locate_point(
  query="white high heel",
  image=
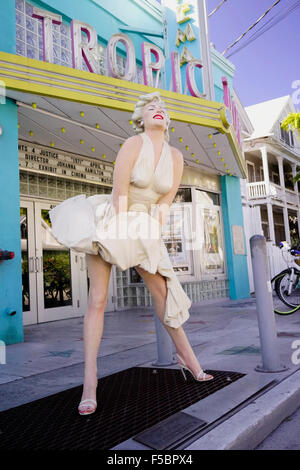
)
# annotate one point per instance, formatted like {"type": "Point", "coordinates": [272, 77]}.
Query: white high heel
{"type": "Point", "coordinates": [81, 404]}
{"type": "Point", "coordinates": [201, 373]}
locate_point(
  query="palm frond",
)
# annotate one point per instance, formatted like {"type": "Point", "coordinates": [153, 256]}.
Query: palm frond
{"type": "Point", "coordinates": [296, 178]}
{"type": "Point", "coordinates": [292, 122]}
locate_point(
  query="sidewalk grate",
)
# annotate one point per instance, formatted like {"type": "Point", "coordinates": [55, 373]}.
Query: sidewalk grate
{"type": "Point", "coordinates": [129, 402]}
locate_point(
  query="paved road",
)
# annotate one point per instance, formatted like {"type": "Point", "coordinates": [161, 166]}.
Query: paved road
{"type": "Point", "coordinates": [285, 437]}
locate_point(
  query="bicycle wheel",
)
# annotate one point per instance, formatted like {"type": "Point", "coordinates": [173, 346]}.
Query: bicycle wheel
{"type": "Point", "coordinates": [281, 308]}
{"type": "Point", "coordinates": [292, 300]}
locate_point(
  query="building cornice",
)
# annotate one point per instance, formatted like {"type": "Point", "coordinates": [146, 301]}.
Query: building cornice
{"type": "Point", "coordinates": [222, 62]}
{"type": "Point", "coordinates": [273, 146]}
{"type": "Point", "coordinates": [152, 7]}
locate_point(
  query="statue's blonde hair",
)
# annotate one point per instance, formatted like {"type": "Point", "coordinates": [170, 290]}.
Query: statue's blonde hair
{"type": "Point", "coordinates": [138, 112]}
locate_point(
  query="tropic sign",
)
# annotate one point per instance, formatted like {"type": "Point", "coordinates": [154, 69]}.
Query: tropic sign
{"type": "Point", "coordinates": [183, 32]}
{"type": "Point", "coordinates": [152, 56]}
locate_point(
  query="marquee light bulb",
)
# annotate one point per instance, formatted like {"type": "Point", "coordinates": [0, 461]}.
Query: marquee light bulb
{"type": "Point", "coordinates": [81, 141]}
{"type": "Point", "coordinates": [82, 114]}
{"type": "Point", "coordinates": [31, 133]}
{"type": "Point", "coordinates": [97, 126]}
{"type": "Point", "coordinates": [34, 105]}
{"type": "Point", "coordinates": [172, 129]}
{"type": "Point", "coordinates": [130, 122]}
{"type": "Point", "coordinates": [51, 144]}
{"type": "Point", "coordinates": [63, 130]}
{"type": "Point", "coordinates": [93, 149]}
{"type": "Point", "coordinates": [103, 156]}
{"type": "Point", "coordinates": [180, 139]}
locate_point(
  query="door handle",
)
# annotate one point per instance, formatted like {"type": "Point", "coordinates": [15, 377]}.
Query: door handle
{"type": "Point", "coordinates": [31, 264]}
{"type": "Point", "coordinates": [38, 264]}
{"type": "Point", "coordinates": [83, 263]}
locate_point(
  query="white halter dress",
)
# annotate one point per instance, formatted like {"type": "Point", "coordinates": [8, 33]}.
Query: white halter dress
{"type": "Point", "coordinates": [90, 225]}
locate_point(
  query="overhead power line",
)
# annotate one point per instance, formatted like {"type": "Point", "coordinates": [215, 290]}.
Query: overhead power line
{"type": "Point", "coordinates": [268, 25]}
{"type": "Point", "coordinates": [217, 8]}
{"type": "Point", "coordinates": [251, 27]}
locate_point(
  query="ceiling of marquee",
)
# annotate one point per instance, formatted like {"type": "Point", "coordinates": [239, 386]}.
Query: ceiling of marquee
{"type": "Point", "coordinates": [51, 115]}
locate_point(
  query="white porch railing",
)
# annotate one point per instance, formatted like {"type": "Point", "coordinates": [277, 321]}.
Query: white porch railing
{"type": "Point", "coordinates": [276, 191]}
{"type": "Point", "coordinates": [291, 197]}
{"type": "Point", "coordinates": [258, 190]}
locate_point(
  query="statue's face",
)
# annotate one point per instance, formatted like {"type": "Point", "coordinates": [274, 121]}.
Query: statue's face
{"type": "Point", "coordinates": [155, 116]}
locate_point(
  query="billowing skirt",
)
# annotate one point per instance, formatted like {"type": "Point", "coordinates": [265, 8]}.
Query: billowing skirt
{"type": "Point", "coordinates": [127, 239]}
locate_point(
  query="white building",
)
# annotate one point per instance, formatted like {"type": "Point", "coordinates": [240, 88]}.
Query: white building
{"type": "Point", "coordinates": [270, 198]}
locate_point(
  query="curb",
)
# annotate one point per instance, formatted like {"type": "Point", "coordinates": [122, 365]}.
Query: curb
{"type": "Point", "coordinates": [249, 427]}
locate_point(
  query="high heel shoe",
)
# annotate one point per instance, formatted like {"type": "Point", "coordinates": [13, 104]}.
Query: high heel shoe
{"type": "Point", "coordinates": [81, 404]}
{"type": "Point", "coordinates": [205, 377]}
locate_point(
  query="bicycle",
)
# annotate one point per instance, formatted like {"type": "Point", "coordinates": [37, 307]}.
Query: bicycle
{"type": "Point", "coordinates": [287, 282]}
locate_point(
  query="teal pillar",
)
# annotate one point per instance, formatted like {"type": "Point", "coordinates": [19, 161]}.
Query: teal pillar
{"type": "Point", "coordinates": [7, 26]}
{"type": "Point", "coordinates": [11, 324]}
{"type": "Point", "coordinates": [11, 315]}
{"type": "Point", "coordinates": [233, 215]}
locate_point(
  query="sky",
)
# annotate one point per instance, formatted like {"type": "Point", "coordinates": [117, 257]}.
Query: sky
{"type": "Point", "coordinates": [266, 68]}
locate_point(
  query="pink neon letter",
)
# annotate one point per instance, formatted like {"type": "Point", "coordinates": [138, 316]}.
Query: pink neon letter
{"type": "Point", "coordinates": [228, 102]}
{"type": "Point", "coordinates": [176, 73]}
{"type": "Point", "coordinates": [190, 77]}
{"type": "Point", "coordinates": [47, 20]}
{"type": "Point", "coordinates": [130, 69]}
{"type": "Point", "coordinates": [148, 65]}
{"type": "Point", "coordinates": [83, 50]}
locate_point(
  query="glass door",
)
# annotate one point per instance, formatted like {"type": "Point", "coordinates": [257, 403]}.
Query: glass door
{"type": "Point", "coordinates": [29, 288]}
{"type": "Point", "coordinates": [58, 272]}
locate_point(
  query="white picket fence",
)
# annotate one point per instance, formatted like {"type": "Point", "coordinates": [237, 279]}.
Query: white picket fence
{"type": "Point", "coordinates": [252, 226]}
{"type": "Point", "coordinates": [276, 261]}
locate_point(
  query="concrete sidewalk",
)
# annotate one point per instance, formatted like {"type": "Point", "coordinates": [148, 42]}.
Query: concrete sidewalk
{"type": "Point", "coordinates": [224, 335]}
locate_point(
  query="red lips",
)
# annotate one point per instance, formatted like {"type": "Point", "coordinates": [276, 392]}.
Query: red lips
{"type": "Point", "coordinates": [158, 116]}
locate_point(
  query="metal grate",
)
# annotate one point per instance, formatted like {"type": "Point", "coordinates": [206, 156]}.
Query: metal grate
{"type": "Point", "coordinates": [129, 402]}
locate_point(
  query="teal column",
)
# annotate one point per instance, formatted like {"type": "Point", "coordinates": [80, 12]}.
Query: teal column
{"type": "Point", "coordinates": [11, 315]}
{"type": "Point", "coordinates": [7, 26]}
{"type": "Point", "coordinates": [11, 324]}
{"type": "Point", "coordinates": [233, 215]}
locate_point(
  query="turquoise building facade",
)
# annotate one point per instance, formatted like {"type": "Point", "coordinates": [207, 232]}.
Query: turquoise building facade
{"type": "Point", "coordinates": [141, 21]}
